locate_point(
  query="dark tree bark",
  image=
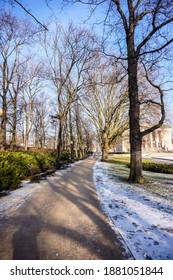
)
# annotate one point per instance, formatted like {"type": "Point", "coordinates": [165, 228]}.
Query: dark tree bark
{"type": "Point", "coordinates": [72, 140]}
{"type": "Point", "coordinates": [59, 141]}
{"type": "Point", "coordinates": [14, 125]}
{"type": "Point", "coordinates": [14, 99]}
{"type": "Point", "coordinates": [79, 132]}
{"type": "Point", "coordinates": [134, 108]}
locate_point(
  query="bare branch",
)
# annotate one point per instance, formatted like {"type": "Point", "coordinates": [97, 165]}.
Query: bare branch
{"type": "Point", "coordinates": [117, 3]}
{"type": "Point", "coordinates": [28, 12]}
{"type": "Point", "coordinates": [157, 50]}
{"type": "Point", "coordinates": [161, 104]}
{"type": "Point", "coordinates": [149, 36]}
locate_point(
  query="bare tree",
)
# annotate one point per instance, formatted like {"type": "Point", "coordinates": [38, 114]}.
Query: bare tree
{"type": "Point", "coordinates": [41, 120]}
{"type": "Point", "coordinates": [14, 35]}
{"type": "Point", "coordinates": [15, 108]}
{"type": "Point", "coordinates": [106, 104]}
{"type": "Point", "coordinates": [67, 55]}
{"type": "Point", "coordinates": [142, 29]}
{"type": "Point", "coordinates": [30, 90]}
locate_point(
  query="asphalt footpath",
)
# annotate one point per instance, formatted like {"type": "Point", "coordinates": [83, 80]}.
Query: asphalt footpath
{"type": "Point", "coordinates": [63, 219]}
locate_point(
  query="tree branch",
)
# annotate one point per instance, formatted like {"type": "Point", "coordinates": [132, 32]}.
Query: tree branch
{"type": "Point", "coordinates": [159, 49]}
{"type": "Point", "coordinates": [117, 3]}
{"type": "Point", "coordinates": [161, 104]}
{"type": "Point", "coordinates": [17, 2]}
{"type": "Point", "coordinates": [148, 37]}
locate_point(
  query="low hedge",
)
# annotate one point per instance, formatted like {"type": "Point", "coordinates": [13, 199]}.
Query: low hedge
{"type": "Point", "coordinates": [146, 165]}
{"type": "Point", "coordinates": [158, 167]}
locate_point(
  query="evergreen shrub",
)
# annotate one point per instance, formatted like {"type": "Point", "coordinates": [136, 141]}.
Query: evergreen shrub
{"type": "Point", "coordinates": [158, 167]}
{"type": "Point", "coordinates": [65, 155]}
{"type": "Point", "coordinates": [16, 166]}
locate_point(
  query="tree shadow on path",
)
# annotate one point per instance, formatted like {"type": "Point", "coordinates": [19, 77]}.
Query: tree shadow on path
{"type": "Point", "coordinates": [64, 220]}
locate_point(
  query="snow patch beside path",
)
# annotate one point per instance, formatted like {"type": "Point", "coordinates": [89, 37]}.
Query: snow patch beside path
{"type": "Point", "coordinates": [17, 197]}
{"type": "Point", "coordinates": [143, 219]}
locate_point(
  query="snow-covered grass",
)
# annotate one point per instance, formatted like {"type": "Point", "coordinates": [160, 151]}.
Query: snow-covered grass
{"type": "Point", "coordinates": [141, 214]}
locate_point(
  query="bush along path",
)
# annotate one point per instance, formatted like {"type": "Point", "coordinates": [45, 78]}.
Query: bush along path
{"type": "Point", "coordinates": [17, 166]}
{"type": "Point", "coordinates": [61, 219]}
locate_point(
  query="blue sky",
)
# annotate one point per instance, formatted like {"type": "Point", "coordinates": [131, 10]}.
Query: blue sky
{"type": "Point", "coordinates": [77, 13]}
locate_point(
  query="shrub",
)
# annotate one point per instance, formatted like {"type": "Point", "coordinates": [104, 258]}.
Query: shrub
{"type": "Point", "coordinates": [146, 165]}
{"type": "Point", "coordinates": [158, 167]}
{"type": "Point", "coordinates": [11, 172]}
{"type": "Point", "coordinates": [65, 155]}
{"type": "Point", "coordinates": [15, 166]}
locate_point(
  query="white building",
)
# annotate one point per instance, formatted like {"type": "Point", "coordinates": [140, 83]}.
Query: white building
{"type": "Point", "coordinates": [158, 140]}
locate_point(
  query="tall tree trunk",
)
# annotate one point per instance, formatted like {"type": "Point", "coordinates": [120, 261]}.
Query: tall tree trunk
{"type": "Point", "coordinates": [44, 138]}
{"type": "Point", "coordinates": [76, 153]}
{"type": "Point", "coordinates": [79, 132]}
{"type": "Point", "coordinates": [134, 113]}
{"type": "Point", "coordinates": [26, 131]}
{"type": "Point", "coordinates": [105, 147]}
{"type": "Point", "coordinates": [41, 132]}
{"type": "Point", "coordinates": [59, 142]}
{"type": "Point", "coordinates": [13, 139]}
{"type": "Point", "coordinates": [4, 105]}
{"type": "Point", "coordinates": [3, 126]}
{"type": "Point", "coordinates": [26, 142]}
{"type": "Point", "coordinates": [72, 144]}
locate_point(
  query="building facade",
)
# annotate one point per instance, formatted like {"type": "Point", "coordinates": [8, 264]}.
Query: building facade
{"type": "Point", "coordinates": [158, 140]}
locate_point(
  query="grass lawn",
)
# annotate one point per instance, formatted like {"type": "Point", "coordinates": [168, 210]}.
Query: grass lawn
{"type": "Point", "coordinates": [158, 176]}
{"type": "Point", "coordinates": [148, 165]}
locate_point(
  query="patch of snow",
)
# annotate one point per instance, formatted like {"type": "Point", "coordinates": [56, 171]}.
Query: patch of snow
{"type": "Point", "coordinates": [17, 197]}
{"type": "Point", "coordinates": [143, 219]}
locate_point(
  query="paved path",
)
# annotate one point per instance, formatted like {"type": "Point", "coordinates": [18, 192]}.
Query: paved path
{"type": "Point", "coordinates": [61, 220]}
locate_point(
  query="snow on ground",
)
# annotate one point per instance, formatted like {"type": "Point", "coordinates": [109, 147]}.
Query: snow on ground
{"type": "Point", "coordinates": [17, 197]}
{"type": "Point", "coordinates": [142, 215]}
